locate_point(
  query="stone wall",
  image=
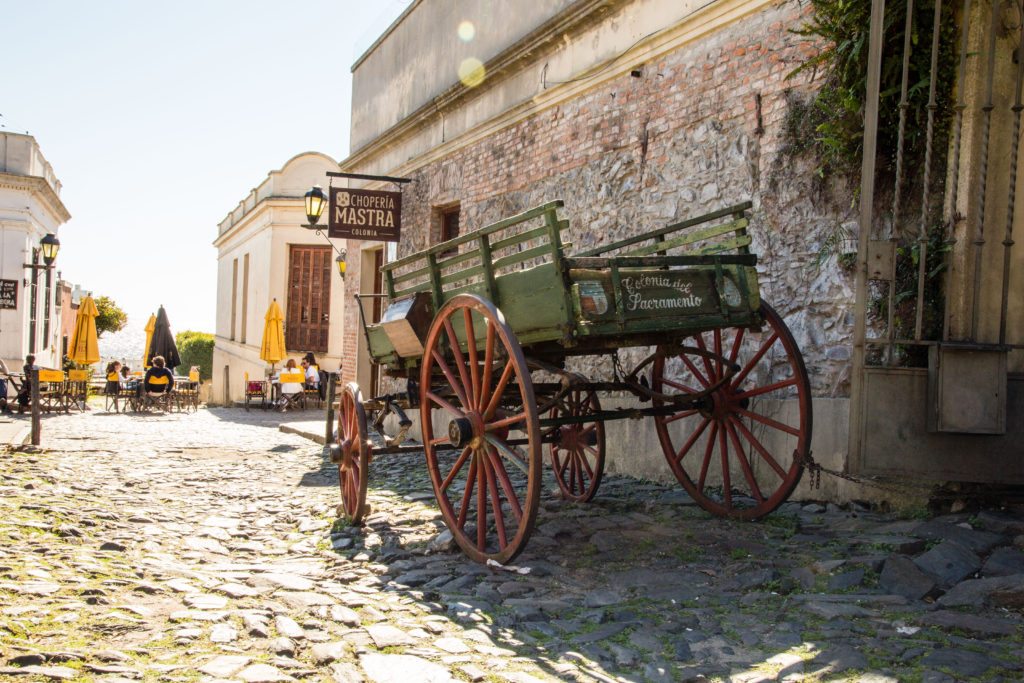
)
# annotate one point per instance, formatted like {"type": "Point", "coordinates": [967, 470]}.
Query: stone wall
{"type": "Point", "coordinates": [699, 129]}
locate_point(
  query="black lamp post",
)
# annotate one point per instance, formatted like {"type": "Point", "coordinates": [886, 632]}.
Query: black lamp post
{"type": "Point", "coordinates": [316, 200]}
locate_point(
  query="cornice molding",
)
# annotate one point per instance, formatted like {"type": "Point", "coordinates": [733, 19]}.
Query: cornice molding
{"type": "Point", "coordinates": [39, 187]}
{"type": "Point", "coordinates": [267, 203]}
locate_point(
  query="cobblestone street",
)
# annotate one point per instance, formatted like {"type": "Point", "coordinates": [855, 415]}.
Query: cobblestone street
{"type": "Point", "coordinates": [206, 547]}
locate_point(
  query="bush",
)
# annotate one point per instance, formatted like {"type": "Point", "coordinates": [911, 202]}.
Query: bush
{"type": "Point", "coordinates": [195, 348]}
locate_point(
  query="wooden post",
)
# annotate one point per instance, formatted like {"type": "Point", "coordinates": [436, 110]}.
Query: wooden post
{"type": "Point", "coordinates": [332, 383]}
{"type": "Point", "coordinates": [34, 394]}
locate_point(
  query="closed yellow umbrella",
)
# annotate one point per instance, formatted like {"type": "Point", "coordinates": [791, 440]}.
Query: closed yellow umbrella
{"type": "Point", "coordinates": [272, 348]}
{"type": "Point", "coordinates": [150, 326]}
{"type": "Point", "coordinates": [85, 349]}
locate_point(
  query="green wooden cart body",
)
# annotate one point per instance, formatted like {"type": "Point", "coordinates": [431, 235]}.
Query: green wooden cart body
{"type": "Point", "coordinates": [661, 286]}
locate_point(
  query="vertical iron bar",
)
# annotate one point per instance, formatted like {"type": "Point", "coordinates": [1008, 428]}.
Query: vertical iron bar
{"type": "Point", "coordinates": [1008, 239]}
{"type": "Point", "coordinates": [986, 131]}
{"type": "Point", "coordinates": [867, 199]}
{"type": "Point", "coordinates": [961, 105]}
{"type": "Point", "coordinates": [898, 190]}
{"type": "Point", "coordinates": [922, 252]}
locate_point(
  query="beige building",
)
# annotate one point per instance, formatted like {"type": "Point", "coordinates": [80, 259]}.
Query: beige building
{"type": "Point", "coordinates": [30, 209]}
{"type": "Point", "coordinates": [264, 254]}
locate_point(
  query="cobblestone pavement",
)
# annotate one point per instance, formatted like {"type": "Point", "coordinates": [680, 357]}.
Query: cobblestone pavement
{"type": "Point", "coordinates": [205, 547]}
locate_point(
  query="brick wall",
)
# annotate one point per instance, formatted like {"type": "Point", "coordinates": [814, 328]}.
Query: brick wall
{"type": "Point", "coordinates": [700, 129]}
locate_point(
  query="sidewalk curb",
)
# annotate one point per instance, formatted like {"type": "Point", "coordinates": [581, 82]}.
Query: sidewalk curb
{"type": "Point", "coordinates": [316, 437]}
{"type": "Point", "coordinates": [14, 434]}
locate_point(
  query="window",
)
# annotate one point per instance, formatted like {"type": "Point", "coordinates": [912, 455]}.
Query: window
{"type": "Point", "coordinates": [309, 298]}
{"type": "Point", "coordinates": [448, 219]}
{"type": "Point", "coordinates": [234, 296]}
{"type": "Point", "coordinates": [245, 296]}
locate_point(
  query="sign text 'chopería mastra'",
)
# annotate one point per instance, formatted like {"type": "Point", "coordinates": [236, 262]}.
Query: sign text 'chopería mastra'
{"type": "Point", "coordinates": [365, 214]}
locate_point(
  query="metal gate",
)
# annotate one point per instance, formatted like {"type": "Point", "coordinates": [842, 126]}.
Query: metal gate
{"type": "Point", "coordinates": [938, 381]}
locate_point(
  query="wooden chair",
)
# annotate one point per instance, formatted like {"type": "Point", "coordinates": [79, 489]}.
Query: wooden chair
{"type": "Point", "coordinates": [113, 395]}
{"type": "Point", "coordinates": [76, 390]}
{"type": "Point", "coordinates": [312, 392]}
{"type": "Point", "coordinates": [162, 399]}
{"type": "Point", "coordinates": [52, 395]}
{"type": "Point", "coordinates": [297, 399]}
{"type": "Point", "coordinates": [255, 389]}
{"type": "Point", "coordinates": [186, 392]}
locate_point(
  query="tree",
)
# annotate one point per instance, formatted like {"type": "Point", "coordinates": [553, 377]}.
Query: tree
{"type": "Point", "coordinates": [196, 348]}
{"type": "Point", "coordinates": [111, 318]}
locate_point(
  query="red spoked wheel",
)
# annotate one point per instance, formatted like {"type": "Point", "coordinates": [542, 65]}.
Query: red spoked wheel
{"type": "Point", "coordinates": [353, 439]}
{"type": "Point", "coordinates": [740, 453]}
{"type": "Point", "coordinates": [577, 450]}
{"type": "Point", "coordinates": [486, 470]}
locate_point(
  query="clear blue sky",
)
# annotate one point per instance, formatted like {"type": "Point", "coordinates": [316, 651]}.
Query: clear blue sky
{"type": "Point", "coordinates": [158, 118]}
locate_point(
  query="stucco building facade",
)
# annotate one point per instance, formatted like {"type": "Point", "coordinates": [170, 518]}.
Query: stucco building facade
{"type": "Point", "coordinates": [30, 208]}
{"type": "Point", "coordinates": [264, 254]}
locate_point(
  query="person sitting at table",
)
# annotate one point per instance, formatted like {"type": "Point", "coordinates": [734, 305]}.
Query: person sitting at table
{"type": "Point", "coordinates": [25, 395]}
{"type": "Point", "coordinates": [287, 388]}
{"type": "Point", "coordinates": [4, 372]}
{"type": "Point", "coordinates": [311, 370]}
{"type": "Point", "coordinates": [155, 372]}
{"type": "Point", "coordinates": [113, 377]}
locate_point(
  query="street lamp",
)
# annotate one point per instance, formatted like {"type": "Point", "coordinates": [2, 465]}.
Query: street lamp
{"type": "Point", "coordinates": [49, 245]}
{"type": "Point", "coordinates": [342, 266]}
{"type": "Point", "coordinates": [315, 200]}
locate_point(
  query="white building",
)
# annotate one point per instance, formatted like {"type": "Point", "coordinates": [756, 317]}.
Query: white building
{"type": "Point", "coordinates": [263, 254]}
{"type": "Point", "coordinates": [30, 208]}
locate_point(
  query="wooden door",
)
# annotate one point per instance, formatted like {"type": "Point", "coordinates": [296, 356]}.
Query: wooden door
{"type": "Point", "coordinates": [309, 298]}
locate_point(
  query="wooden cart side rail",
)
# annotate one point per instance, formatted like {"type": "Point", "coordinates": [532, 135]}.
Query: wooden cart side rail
{"type": "Point", "coordinates": [452, 244]}
{"type": "Point", "coordinates": [659, 234]}
{"type": "Point", "coordinates": [483, 264]}
{"type": "Point", "coordinates": [661, 246]}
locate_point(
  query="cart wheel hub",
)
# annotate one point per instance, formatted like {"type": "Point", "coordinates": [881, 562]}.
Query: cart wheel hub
{"type": "Point", "coordinates": [460, 432]}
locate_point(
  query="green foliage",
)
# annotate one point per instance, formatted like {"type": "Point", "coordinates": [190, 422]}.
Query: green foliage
{"type": "Point", "coordinates": [111, 318]}
{"type": "Point", "coordinates": [195, 348]}
{"type": "Point", "coordinates": [831, 124]}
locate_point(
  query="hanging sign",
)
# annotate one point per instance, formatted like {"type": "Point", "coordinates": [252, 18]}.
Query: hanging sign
{"type": "Point", "coordinates": [8, 293]}
{"type": "Point", "coordinates": [365, 214]}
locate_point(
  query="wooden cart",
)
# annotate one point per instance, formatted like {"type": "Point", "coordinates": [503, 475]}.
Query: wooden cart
{"type": "Point", "coordinates": [478, 331]}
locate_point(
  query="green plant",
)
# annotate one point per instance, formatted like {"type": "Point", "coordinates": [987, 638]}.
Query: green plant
{"type": "Point", "coordinates": [110, 318]}
{"type": "Point", "coordinates": [196, 348]}
{"type": "Point", "coordinates": [831, 123]}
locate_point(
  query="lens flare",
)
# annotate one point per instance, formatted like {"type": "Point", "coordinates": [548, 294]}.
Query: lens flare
{"type": "Point", "coordinates": [467, 31]}
{"type": "Point", "coordinates": [472, 72]}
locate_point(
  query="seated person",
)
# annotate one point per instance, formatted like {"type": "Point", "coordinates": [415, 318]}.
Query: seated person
{"type": "Point", "coordinates": [113, 386]}
{"type": "Point", "coordinates": [25, 395]}
{"type": "Point", "coordinates": [312, 372]}
{"type": "Point", "coordinates": [288, 388]}
{"type": "Point", "coordinates": [156, 372]}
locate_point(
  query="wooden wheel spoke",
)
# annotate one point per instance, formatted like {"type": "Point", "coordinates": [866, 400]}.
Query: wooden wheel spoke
{"type": "Point", "coordinates": [506, 422]}
{"type": "Point", "coordinates": [744, 464]}
{"type": "Point", "coordinates": [736, 343]}
{"type": "Point", "coordinates": [506, 484]}
{"type": "Point", "coordinates": [485, 380]}
{"type": "Point", "coordinates": [680, 416]}
{"type": "Point", "coordinates": [692, 440]}
{"type": "Point", "coordinates": [481, 507]}
{"type": "Point", "coordinates": [696, 373]}
{"type": "Point", "coordinates": [509, 453]}
{"type": "Point", "coordinates": [445, 404]}
{"type": "Point", "coordinates": [718, 352]}
{"type": "Point", "coordinates": [707, 361]}
{"type": "Point", "coordinates": [437, 440]}
{"type": "Point", "coordinates": [467, 495]}
{"type": "Point", "coordinates": [474, 368]}
{"type": "Point", "coordinates": [759, 447]}
{"type": "Point", "coordinates": [765, 345]}
{"type": "Point", "coordinates": [585, 464]}
{"type": "Point", "coordinates": [708, 450]}
{"type": "Point", "coordinates": [492, 405]}
{"type": "Point", "coordinates": [765, 420]}
{"type": "Point", "coordinates": [456, 468]}
{"type": "Point", "coordinates": [459, 390]}
{"type": "Point", "coordinates": [499, 516]}
{"type": "Point", "coordinates": [767, 388]}
{"type": "Point", "coordinates": [723, 447]}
